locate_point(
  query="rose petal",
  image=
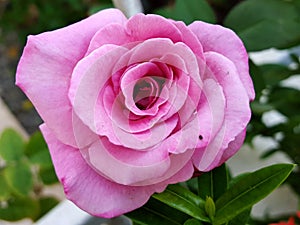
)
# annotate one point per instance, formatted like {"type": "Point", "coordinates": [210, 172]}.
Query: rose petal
{"type": "Point", "coordinates": [211, 115]}
{"type": "Point", "coordinates": [109, 125]}
{"type": "Point", "coordinates": [176, 100]}
{"type": "Point", "coordinates": [78, 75]}
{"type": "Point", "coordinates": [233, 147]}
{"type": "Point", "coordinates": [237, 111]}
{"type": "Point", "coordinates": [99, 157]}
{"type": "Point", "coordinates": [112, 98]}
{"type": "Point", "coordinates": [169, 102]}
{"type": "Point", "coordinates": [211, 112]}
{"type": "Point", "coordinates": [83, 135]}
{"type": "Point", "coordinates": [181, 169]}
{"type": "Point", "coordinates": [128, 83]}
{"type": "Point", "coordinates": [46, 66]}
{"type": "Point", "coordinates": [113, 33]}
{"type": "Point", "coordinates": [208, 157]}
{"type": "Point", "coordinates": [105, 198]}
{"type": "Point", "coordinates": [148, 138]}
{"type": "Point", "coordinates": [90, 76]}
{"type": "Point", "coordinates": [185, 139]}
{"type": "Point", "coordinates": [159, 47]}
{"type": "Point", "coordinates": [224, 41]}
{"type": "Point", "coordinates": [144, 52]}
{"type": "Point", "coordinates": [143, 27]}
{"type": "Point", "coordinates": [191, 40]}
{"type": "Point", "coordinates": [121, 117]}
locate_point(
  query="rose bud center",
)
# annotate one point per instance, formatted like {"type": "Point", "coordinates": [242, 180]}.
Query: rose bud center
{"type": "Point", "coordinates": [146, 91]}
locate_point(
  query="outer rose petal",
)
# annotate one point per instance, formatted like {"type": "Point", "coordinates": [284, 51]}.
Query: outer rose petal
{"type": "Point", "coordinates": [233, 147]}
{"type": "Point", "coordinates": [144, 27]}
{"type": "Point", "coordinates": [211, 111]}
{"type": "Point", "coordinates": [46, 66]}
{"type": "Point", "coordinates": [92, 192]}
{"type": "Point", "coordinates": [112, 34]}
{"type": "Point", "coordinates": [237, 110]}
{"type": "Point", "coordinates": [224, 41]}
{"type": "Point", "coordinates": [211, 119]}
{"type": "Point", "coordinates": [144, 168]}
{"type": "Point", "coordinates": [100, 158]}
{"type": "Point", "coordinates": [191, 40]}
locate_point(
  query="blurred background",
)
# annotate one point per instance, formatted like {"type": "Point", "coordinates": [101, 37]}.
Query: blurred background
{"type": "Point", "coordinates": [270, 30]}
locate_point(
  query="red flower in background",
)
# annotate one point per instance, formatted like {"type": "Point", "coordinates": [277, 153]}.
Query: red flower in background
{"type": "Point", "coordinates": [291, 221]}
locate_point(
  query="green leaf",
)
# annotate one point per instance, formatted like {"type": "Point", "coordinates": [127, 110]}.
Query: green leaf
{"type": "Point", "coordinates": [266, 24]}
{"type": "Point", "coordinates": [46, 204]}
{"type": "Point", "coordinates": [183, 200]}
{"type": "Point", "coordinates": [289, 105]}
{"type": "Point", "coordinates": [11, 145]}
{"type": "Point", "coordinates": [242, 218]}
{"type": "Point", "coordinates": [35, 144]}
{"type": "Point", "coordinates": [189, 11]}
{"type": "Point", "coordinates": [192, 185]}
{"type": "Point", "coordinates": [48, 175]}
{"type": "Point", "coordinates": [260, 108]}
{"type": "Point", "coordinates": [19, 178]}
{"type": "Point", "coordinates": [213, 183]}
{"type": "Point", "coordinates": [37, 151]}
{"type": "Point", "coordinates": [42, 158]}
{"type": "Point", "coordinates": [237, 178]}
{"type": "Point", "coordinates": [248, 190]}
{"type": "Point", "coordinates": [257, 78]}
{"type": "Point", "coordinates": [4, 188]}
{"type": "Point", "coordinates": [97, 8]}
{"type": "Point", "coordinates": [275, 73]}
{"type": "Point", "coordinates": [19, 208]}
{"type": "Point", "coordinates": [155, 212]}
{"type": "Point", "coordinates": [192, 222]}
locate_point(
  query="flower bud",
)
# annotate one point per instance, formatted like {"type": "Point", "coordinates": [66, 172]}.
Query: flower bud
{"type": "Point", "coordinates": [210, 207]}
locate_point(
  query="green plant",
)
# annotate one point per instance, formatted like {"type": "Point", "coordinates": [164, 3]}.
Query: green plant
{"type": "Point", "coordinates": [25, 170]}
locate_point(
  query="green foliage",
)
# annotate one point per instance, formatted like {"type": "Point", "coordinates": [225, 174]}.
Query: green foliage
{"type": "Point", "coordinates": [248, 190]}
{"type": "Point", "coordinates": [46, 204]}
{"type": "Point", "coordinates": [232, 207]}
{"type": "Point", "coordinates": [192, 222]}
{"type": "Point", "coordinates": [100, 6]}
{"type": "Point", "coordinates": [19, 178]}
{"type": "Point", "coordinates": [184, 201]}
{"type": "Point", "coordinates": [4, 188]}
{"type": "Point", "coordinates": [23, 165]}
{"type": "Point", "coordinates": [11, 145]}
{"type": "Point", "coordinates": [241, 218]}
{"type": "Point", "coordinates": [189, 11]}
{"type": "Point", "coordinates": [266, 24]}
{"type": "Point", "coordinates": [35, 16]}
{"type": "Point", "coordinates": [257, 78]}
{"type": "Point", "coordinates": [284, 100]}
{"type": "Point", "coordinates": [155, 212]}
{"type": "Point", "coordinates": [215, 183]}
{"type": "Point", "coordinates": [48, 176]}
{"type": "Point", "coordinates": [210, 208]}
{"type": "Point", "coordinates": [18, 208]}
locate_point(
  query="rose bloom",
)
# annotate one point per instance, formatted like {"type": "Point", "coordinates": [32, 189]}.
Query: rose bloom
{"type": "Point", "coordinates": [132, 105]}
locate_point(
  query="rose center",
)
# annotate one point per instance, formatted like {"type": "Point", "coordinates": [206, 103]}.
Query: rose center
{"type": "Point", "coordinates": [146, 91]}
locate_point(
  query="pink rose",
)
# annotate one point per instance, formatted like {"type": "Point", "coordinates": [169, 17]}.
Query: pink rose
{"type": "Point", "coordinates": [132, 105]}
